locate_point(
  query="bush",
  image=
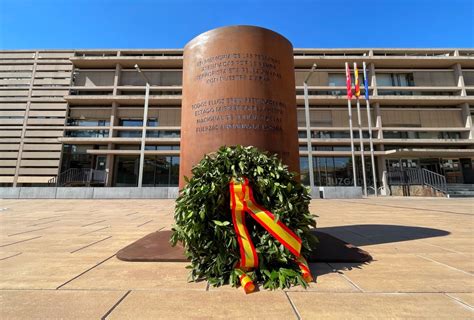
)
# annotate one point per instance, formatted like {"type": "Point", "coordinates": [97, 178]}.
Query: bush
{"type": "Point", "coordinates": [204, 220]}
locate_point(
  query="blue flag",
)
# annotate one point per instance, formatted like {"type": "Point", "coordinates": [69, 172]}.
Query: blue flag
{"type": "Point", "coordinates": [366, 84]}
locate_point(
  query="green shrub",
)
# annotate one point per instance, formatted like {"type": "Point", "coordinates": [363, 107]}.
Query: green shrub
{"type": "Point", "coordinates": [204, 220]}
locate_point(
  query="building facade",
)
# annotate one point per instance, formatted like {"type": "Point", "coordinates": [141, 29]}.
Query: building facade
{"type": "Point", "coordinates": [73, 110]}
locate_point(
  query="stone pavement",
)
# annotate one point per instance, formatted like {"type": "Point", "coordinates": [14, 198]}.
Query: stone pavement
{"type": "Point", "coordinates": [57, 261]}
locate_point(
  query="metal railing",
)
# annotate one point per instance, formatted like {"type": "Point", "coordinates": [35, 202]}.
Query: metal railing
{"type": "Point", "coordinates": [81, 177]}
{"type": "Point", "coordinates": [417, 176]}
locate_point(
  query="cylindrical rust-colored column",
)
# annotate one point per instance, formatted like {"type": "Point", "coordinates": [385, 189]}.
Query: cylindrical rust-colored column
{"type": "Point", "coordinates": [238, 88]}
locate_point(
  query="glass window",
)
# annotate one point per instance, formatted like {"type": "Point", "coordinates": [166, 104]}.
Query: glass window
{"type": "Point", "coordinates": [160, 171]}
{"type": "Point", "coordinates": [162, 147]}
{"type": "Point", "coordinates": [163, 134]}
{"type": "Point", "coordinates": [301, 134]}
{"type": "Point", "coordinates": [126, 171]}
{"type": "Point", "coordinates": [88, 133]}
{"type": "Point", "coordinates": [449, 135]}
{"type": "Point", "coordinates": [128, 147]}
{"type": "Point", "coordinates": [76, 156]}
{"type": "Point", "coordinates": [152, 122]}
{"type": "Point", "coordinates": [395, 79]}
{"type": "Point", "coordinates": [129, 133]}
{"type": "Point", "coordinates": [304, 170]}
{"type": "Point", "coordinates": [337, 79]}
{"type": "Point", "coordinates": [88, 122]}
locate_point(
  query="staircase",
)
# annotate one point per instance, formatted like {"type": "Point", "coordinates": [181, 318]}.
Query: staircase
{"type": "Point", "coordinates": [79, 178]}
{"type": "Point", "coordinates": [459, 190]}
{"type": "Point", "coordinates": [407, 177]}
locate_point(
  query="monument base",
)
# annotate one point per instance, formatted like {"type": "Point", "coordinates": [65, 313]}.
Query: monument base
{"type": "Point", "coordinates": [156, 247]}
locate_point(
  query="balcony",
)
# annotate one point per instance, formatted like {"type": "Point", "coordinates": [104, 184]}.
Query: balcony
{"type": "Point", "coordinates": [336, 95]}
{"type": "Point", "coordinates": [109, 62]}
{"type": "Point", "coordinates": [304, 58]}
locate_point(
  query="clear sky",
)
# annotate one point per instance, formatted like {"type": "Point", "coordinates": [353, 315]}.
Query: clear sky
{"type": "Point", "coordinates": [74, 24]}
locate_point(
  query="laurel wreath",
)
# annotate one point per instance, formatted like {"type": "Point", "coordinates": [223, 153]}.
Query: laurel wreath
{"type": "Point", "coordinates": [203, 221]}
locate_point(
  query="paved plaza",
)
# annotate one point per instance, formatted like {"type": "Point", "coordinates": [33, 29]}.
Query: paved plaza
{"type": "Point", "coordinates": [57, 260]}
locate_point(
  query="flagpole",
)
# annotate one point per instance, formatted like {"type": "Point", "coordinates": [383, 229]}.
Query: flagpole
{"type": "Point", "coordinates": [359, 122]}
{"type": "Point", "coordinates": [369, 119]}
{"type": "Point", "coordinates": [349, 107]}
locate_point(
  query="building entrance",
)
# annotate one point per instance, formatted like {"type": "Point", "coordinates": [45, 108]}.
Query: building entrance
{"type": "Point", "coordinates": [451, 169]}
{"type": "Point", "coordinates": [431, 165]}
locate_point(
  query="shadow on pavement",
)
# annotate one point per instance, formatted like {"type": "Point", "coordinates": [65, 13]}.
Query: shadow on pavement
{"type": "Point", "coordinates": [371, 234]}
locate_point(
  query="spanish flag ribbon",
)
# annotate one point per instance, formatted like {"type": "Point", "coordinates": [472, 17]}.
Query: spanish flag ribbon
{"type": "Point", "coordinates": [242, 201]}
{"type": "Point", "coordinates": [356, 81]}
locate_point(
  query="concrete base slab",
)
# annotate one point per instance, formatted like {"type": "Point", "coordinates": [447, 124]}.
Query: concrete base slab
{"type": "Point", "coordinates": [337, 193]}
{"type": "Point", "coordinates": [88, 193]}
{"type": "Point", "coordinates": [156, 247]}
{"type": "Point", "coordinates": [9, 193]}
{"type": "Point", "coordinates": [37, 193]}
{"type": "Point", "coordinates": [74, 193]}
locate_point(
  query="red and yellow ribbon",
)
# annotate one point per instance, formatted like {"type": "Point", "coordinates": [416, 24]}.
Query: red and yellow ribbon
{"type": "Point", "coordinates": [242, 201]}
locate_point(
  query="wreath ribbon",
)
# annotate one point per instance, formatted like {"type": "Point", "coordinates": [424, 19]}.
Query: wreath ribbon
{"type": "Point", "coordinates": [242, 201]}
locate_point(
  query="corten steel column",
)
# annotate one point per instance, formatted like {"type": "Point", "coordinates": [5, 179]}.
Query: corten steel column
{"type": "Point", "coordinates": [238, 88]}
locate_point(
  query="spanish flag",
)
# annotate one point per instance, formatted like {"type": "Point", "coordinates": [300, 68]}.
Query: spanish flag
{"type": "Point", "coordinates": [348, 82]}
{"type": "Point", "coordinates": [356, 81]}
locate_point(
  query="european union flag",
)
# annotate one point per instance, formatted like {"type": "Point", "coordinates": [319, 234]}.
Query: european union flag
{"type": "Point", "coordinates": [366, 84]}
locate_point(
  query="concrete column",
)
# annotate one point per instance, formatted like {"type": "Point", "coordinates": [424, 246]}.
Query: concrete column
{"type": "Point", "coordinates": [381, 169]}
{"type": "Point", "coordinates": [25, 119]}
{"type": "Point", "coordinates": [381, 165]}
{"type": "Point", "coordinates": [109, 168]}
{"type": "Point", "coordinates": [378, 120]}
{"type": "Point", "coordinates": [373, 79]}
{"type": "Point", "coordinates": [467, 120]}
{"type": "Point", "coordinates": [118, 70]}
{"type": "Point", "coordinates": [458, 76]}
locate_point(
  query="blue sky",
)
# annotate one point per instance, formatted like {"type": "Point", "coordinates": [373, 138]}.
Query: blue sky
{"type": "Point", "coordinates": [42, 24]}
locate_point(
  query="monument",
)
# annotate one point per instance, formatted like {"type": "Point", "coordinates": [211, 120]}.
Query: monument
{"type": "Point", "coordinates": [243, 219]}
{"type": "Point", "coordinates": [238, 89]}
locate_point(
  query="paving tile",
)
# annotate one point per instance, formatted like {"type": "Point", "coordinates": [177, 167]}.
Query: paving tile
{"type": "Point", "coordinates": [467, 298]}
{"type": "Point", "coordinates": [464, 262]}
{"type": "Point", "coordinates": [38, 272]}
{"type": "Point", "coordinates": [326, 279]}
{"type": "Point", "coordinates": [116, 274]}
{"type": "Point", "coordinates": [408, 247]}
{"type": "Point", "coordinates": [56, 304]}
{"type": "Point", "coordinates": [204, 305]}
{"type": "Point", "coordinates": [314, 305]}
{"type": "Point", "coordinates": [406, 273]}
{"type": "Point", "coordinates": [456, 244]}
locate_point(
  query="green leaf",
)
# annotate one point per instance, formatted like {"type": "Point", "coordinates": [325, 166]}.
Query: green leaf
{"type": "Point", "coordinates": [242, 166]}
{"type": "Point", "coordinates": [221, 223]}
{"type": "Point", "coordinates": [280, 196]}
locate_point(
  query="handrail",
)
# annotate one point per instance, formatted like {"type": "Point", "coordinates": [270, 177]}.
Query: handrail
{"type": "Point", "coordinates": [78, 175]}
{"type": "Point", "coordinates": [435, 180]}
{"type": "Point", "coordinates": [418, 176]}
